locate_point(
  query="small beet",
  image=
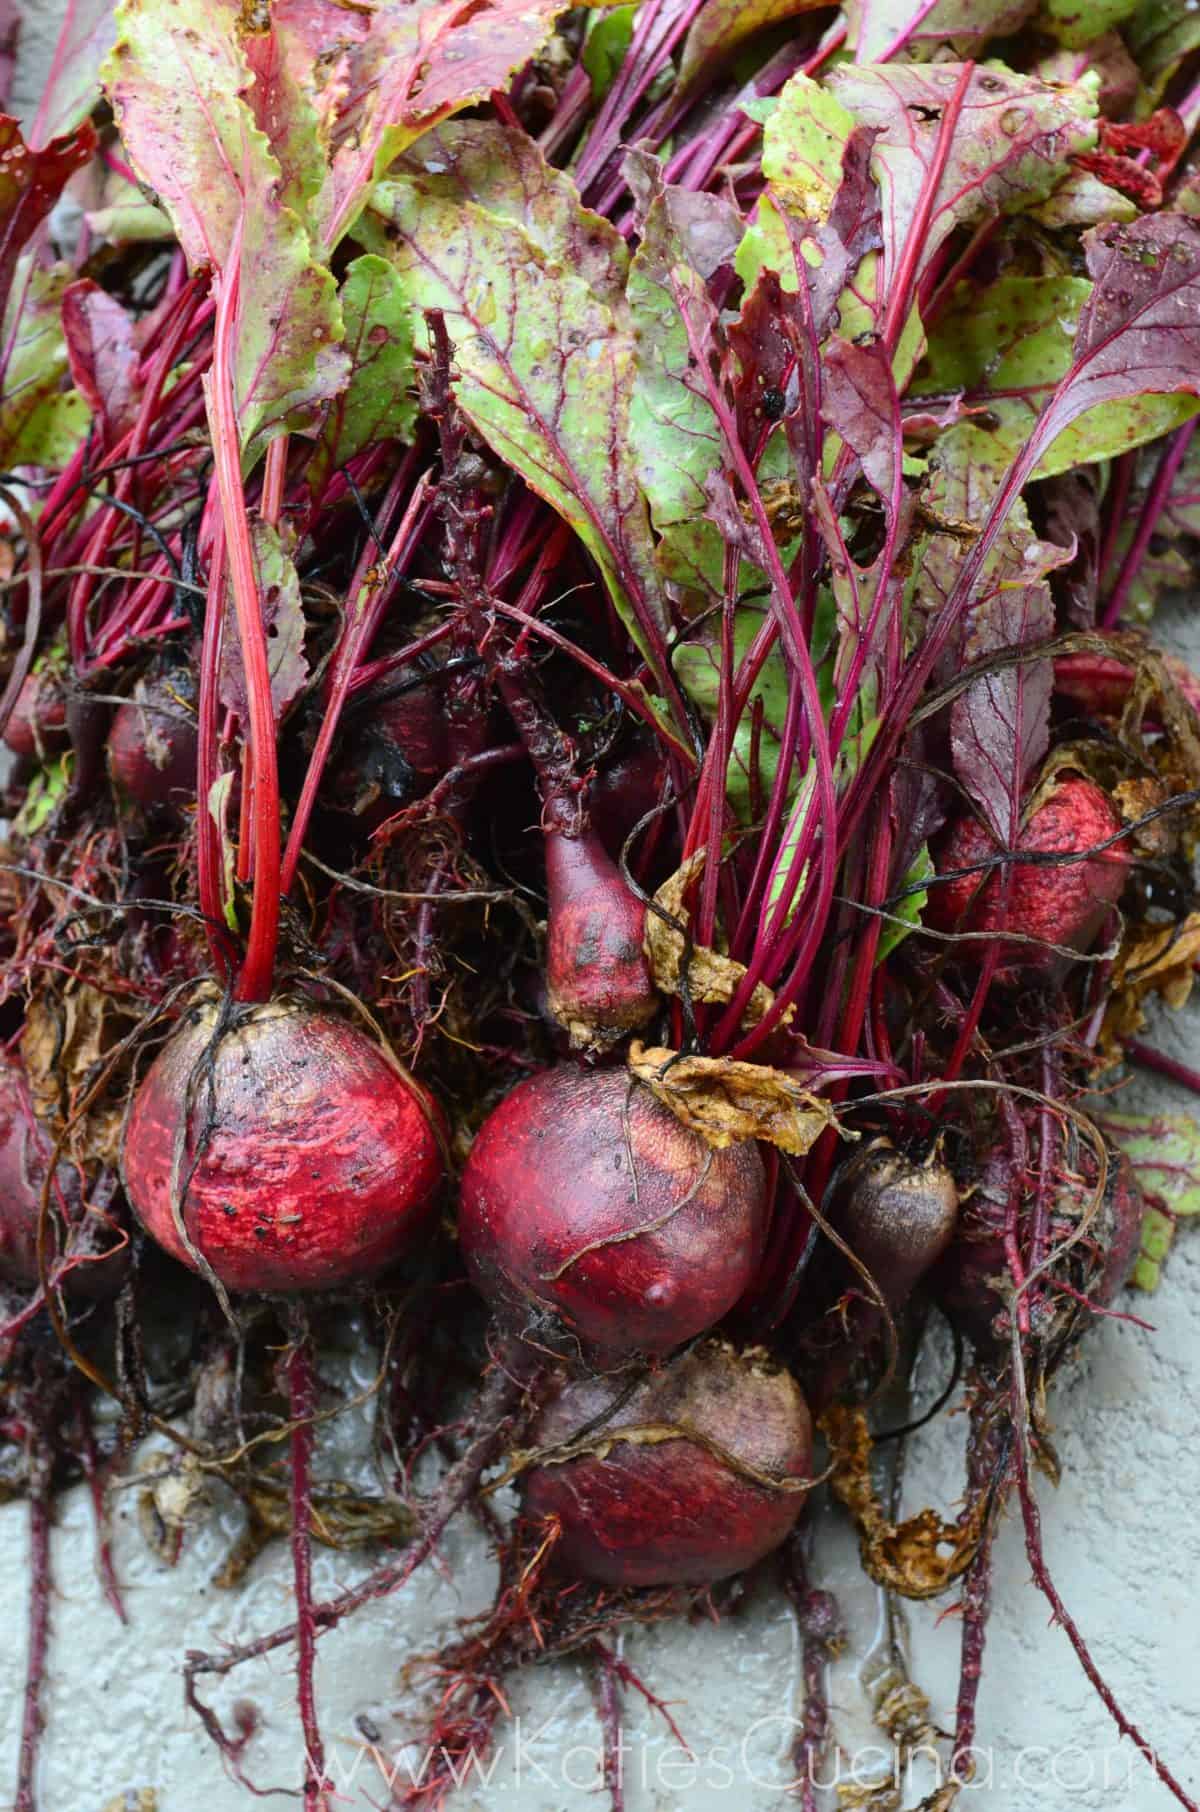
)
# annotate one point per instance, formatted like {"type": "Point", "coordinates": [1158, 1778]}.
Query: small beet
{"type": "Point", "coordinates": [589, 1210]}
{"type": "Point", "coordinates": [400, 746]}
{"type": "Point", "coordinates": [26, 1150]}
{"type": "Point", "coordinates": [897, 1216]}
{"type": "Point", "coordinates": [647, 1510]}
{"type": "Point", "coordinates": [1062, 904]}
{"type": "Point", "coordinates": [152, 744]}
{"type": "Point", "coordinates": [37, 726]}
{"type": "Point", "coordinates": [300, 1156]}
{"type": "Point", "coordinates": [598, 984]}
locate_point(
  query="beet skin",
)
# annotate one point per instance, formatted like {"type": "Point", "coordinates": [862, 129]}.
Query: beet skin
{"type": "Point", "coordinates": [562, 1236]}
{"type": "Point", "coordinates": [152, 746]}
{"type": "Point", "coordinates": [598, 984]}
{"type": "Point", "coordinates": [1063, 905]}
{"type": "Point", "coordinates": [641, 1512]}
{"type": "Point", "coordinates": [304, 1158]}
{"type": "Point", "coordinates": [897, 1216]}
{"type": "Point", "coordinates": [37, 725]}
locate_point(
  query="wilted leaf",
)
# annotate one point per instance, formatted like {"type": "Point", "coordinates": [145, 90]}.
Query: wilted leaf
{"type": "Point", "coordinates": [873, 26]}
{"type": "Point", "coordinates": [1011, 143]}
{"type": "Point", "coordinates": [917, 1558]}
{"type": "Point", "coordinates": [532, 288]}
{"type": "Point", "coordinates": [1164, 1150]}
{"type": "Point", "coordinates": [1157, 959]}
{"type": "Point", "coordinates": [378, 402]}
{"type": "Point", "coordinates": [103, 356]}
{"type": "Point", "coordinates": [725, 1101]}
{"type": "Point", "coordinates": [30, 184]}
{"type": "Point", "coordinates": [66, 1040]}
{"type": "Point", "coordinates": [712, 979]}
{"type": "Point", "coordinates": [42, 420]}
{"type": "Point", "coordinates": [1008, 347]}
{"type": "Point", "coordinates": [859, 400]}
{"type": "Point", "coordinates": [722, 25]}
{"type": "Point", "coordinates": [283, 620]}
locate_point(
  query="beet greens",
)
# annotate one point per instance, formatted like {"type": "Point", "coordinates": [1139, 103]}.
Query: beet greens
{"type": "Point", "coordinates": [590, 793]}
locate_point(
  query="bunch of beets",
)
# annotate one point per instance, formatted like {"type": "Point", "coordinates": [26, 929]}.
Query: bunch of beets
{"type": "Point", "coordinates": [589, 801]}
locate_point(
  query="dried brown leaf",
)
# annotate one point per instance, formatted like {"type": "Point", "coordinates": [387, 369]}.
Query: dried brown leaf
{"type": "Point", "coordinates": [711, 979]}
{"type": "Point", "coordinates": [725, 1101]}
{"type": "Point", "coordinates": [1153, 959]}
{"type": "Point", "coordinates": [917, 1558]}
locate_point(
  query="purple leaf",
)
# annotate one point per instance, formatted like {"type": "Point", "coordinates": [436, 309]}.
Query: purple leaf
{"type": "Point", "coordinates": [30, 184]}
{"type": "Point", "coordinates": [103, 356]}
{"type": "Point", "coordinates": [859, 400]}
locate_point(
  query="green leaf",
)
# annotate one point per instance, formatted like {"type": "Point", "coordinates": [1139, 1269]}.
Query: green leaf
{"type": "Point", "coordinates": [42, 417]}
{"type": "Point", "coordinates": [132, 222]}
{"type": "Point", "coordinates": [45, 793]}
{"type": "Point", "coordinates": [909, 909]}
{"type": "Point", "coordinates": [378, 402]}
{"type": "Point", "coordinates": [72, 84]}
{"type": "Point", "coordinates": [674, 434]}
{"type": "Point", "coordinates": [606, 46]}
{"type": "Point", "coordinates": [873, 26]}
{"type": "Point", "coordinates": [698, 665]}
{"type": "Point", "coordinates": [532, 285]}
{"type": "Point", "coordinates": [178, 78]}
{"type": "Point", "coordinates": [1078, 23]}
{"type": "Point", "coordinates": [803, 142]}
{"type": "Point", "coordinates": [1161, 33]}
{"type": "Point", "coordinates": [722, 26]}
{"type": "Point", "coordinates": [1006, 348]}
{"type": "Point", "coordinates": [1164, 1150]}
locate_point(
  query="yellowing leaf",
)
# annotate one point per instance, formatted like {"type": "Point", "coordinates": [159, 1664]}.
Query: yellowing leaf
{"type": "Point", "coordinates": [726, 1101]}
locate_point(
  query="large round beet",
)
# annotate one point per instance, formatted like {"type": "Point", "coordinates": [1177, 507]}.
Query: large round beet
{"type": "Point", "coordinates": [657, 1510]}
{"type": "Point", "coordinates": [1062, 904]}
{"type": "Point", "coordinates": [152, 744]}
{"type": "Point", "coordinates": [589, 1210]}
{"type": "Point", "coordinates": [300, 1157]}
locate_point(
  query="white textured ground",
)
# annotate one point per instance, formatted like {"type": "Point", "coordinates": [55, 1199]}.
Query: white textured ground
{"type": "Point", "coordinates": [1122, 1541]}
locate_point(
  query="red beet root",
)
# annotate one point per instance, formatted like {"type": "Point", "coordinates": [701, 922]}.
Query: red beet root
{"type": "Point", "coordinates": [300, 1156]}
{"type": "Point", "coordinates": [1101, 683]}
{"type": "Point", "coordinates": [598, 985]}
{"type": "Point", "coordinates": [152, 745]}
{"type": "Point", "coordinates": [622, 794]}
{"type": "Point", "coordinates": [562, 1236]}
{"type": "Point", "coordinates": [38, 724]}
{"type": "Point", "coordinates": [640, 1512]}
{"type": "Point", "coordinates": [1057, 904]}
{"type": "Point", "coordinates": [401, 748]}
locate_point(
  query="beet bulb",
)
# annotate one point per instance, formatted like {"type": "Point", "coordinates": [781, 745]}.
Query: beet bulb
{"type": "Point", "coordinates": [37, 725]}
{"type": "Point", "coordinates": [644, 1508]}
{"type": "Point", "coordinates": [1059, 904]}
{"type": "Point", "coordinates": [897, 1216]}
{"type": "Point", "coordinates": [298, 1154]}
{"type": "Point", "coordinates": [152, 744]}
{"type": "Point", "coordinates": [591, 1215]}
{"type": "Point", "coordinates": [399, 748]}
{"type": "Point", "coordinates": [598, 984]}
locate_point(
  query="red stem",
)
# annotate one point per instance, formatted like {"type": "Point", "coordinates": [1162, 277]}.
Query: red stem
{"type": "Point", "coordinates": [1159, 496]}
{"type": "Point", "coordinates": [254, 980]}
{"type": "Point", "coordinates": [209, 868]}
{"type": "Point", "coordinates": [39, 1624]}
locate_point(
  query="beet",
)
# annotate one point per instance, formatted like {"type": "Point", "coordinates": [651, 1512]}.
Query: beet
{"type": "Point", "coordinates": [551, 1213]}
{"type": "Point", "coordinates": [598, 984]}
{"type": "Point", "coordinates": [1097, 1267]}
{"type": "Point", "coordinates": [1101, 682]}
{"type": "Point", "coordinates": [1063, 905]}
{"type": "Point", "coordinates": [673, 1511]}
{"type": "Point", "coordinates": [25, 1153]}
{"type": "Point", "coordinates": [623, 793]}
{"type": "Point", "coordinates": [897, 1216]}
{"type": "Point", "coordinates": [305, 1158]}
{"type": "Point", "coordinates": [400, 748]}
{"type": "Point", "coordinates": [152, 744]}
{"type": "Point", "coordinates": [37, 726]}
